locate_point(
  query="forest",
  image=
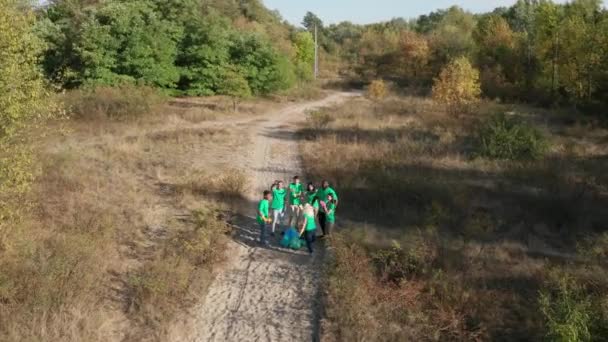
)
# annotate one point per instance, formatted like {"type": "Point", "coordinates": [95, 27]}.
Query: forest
{"type": "Point", "coordinates": [517, 97]}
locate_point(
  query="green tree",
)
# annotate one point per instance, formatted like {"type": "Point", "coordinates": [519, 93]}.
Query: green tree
{"type": "Point", "coordinates": [304, 45]}
{"type": "Point", "coordinates": [453, 36]}
{"type": "Point", "coordinates": [522, 19]}
{"type": "Point", "coordinates": [183, 44]}
{"type": "Point", "coordinates": [129, 41]}
{"type": "Point", "coordinates": [233, 84]}
{"type": "Point", "coordinates": [583, 49]}
{"type": "Point", "coordinates": [311, 20]}
{"type": "Point", "coordinates": [264, 68]}
{"type": "Point", "coordinates": [204, 55]}
{"type": "Point", "coordinates": [305, 48]}
{"type": "Point", "coordinates": [549, 17]}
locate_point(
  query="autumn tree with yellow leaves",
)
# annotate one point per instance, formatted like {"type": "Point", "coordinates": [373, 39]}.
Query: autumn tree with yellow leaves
{"type": "Point", "coordinates": [458, 86]}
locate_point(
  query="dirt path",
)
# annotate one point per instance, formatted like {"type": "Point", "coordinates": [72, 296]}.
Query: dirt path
{"type": "Point", "coordinates": [265, 294]}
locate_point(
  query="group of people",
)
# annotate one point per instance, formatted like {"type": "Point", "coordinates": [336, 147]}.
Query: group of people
{"type": "Point", "coordinates": [306, 207]}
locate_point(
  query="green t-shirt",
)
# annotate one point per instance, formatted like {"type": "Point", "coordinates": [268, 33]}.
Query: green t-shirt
{"type": "Point", "coordinates": [262, 208]}
{"type": "Point", "coordinates": [310, 222]}
{"type": "Point", "coordinates": [322, 194]}
{"type": "Point", "coordinates": [331, 212]}
{"type": "Point", "coordinates": [278, 199]}
{"type": "Point", "coordinates": [295, 191]}
{"type": "Point", "coordinates": [310, 197]}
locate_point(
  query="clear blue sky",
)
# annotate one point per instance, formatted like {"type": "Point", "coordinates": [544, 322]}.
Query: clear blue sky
{"type": "Point", "coordinates": [368, 11]}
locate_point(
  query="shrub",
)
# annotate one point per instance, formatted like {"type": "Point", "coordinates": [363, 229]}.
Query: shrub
{"type": "Point", "coordinates": [397, 263]}
{"type": "Point", "coordinates": [319, 119]}
{"type": "Point", "coordinates": [457, 86]}
{"type": "Point", "coordinates": [567, 313]}
{"type": "Point", "coordinates": [305, 91]}
{"type": "Point", "coordinates": [377, 90]}
{"type": "Point", "coordinates": [117, 103]}
{"type": "Point", "coordinates": [510, 139]}
{"type": "Point", "coordinates": [232, 183]}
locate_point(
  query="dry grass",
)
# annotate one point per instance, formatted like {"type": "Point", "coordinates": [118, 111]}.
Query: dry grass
{"type": "Point", "coordinates": [441, 245]}
{"type": "Point", "coordinates": [120, 103]}
{"type": "Point", "coordinates": [127, 221]}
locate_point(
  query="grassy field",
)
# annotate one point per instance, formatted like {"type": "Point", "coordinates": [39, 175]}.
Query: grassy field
{"type": "Point", "coordinates": [127, 216]}
{"type": "Point", "coordinates": [441, 240]}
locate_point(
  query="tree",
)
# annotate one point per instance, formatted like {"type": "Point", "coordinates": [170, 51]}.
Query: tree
{"type": "Point", "coordinates": [583, 49]}
{"type": "Point", "coordinates": [452, 37]}
{"type": "Point", "coordinates": [264, 68]}
{"type": "Point", "coordinates": [22, 101]}
{"type": "Point", "coordinates": [304, 45]}
{"type": "Point", "coordinates": [183, 44]}
{"type": "Point", "coordinates": [522, 19]}
{"type": "Point", "coordinates": [128, 41]}
{"type": "Point", "coordinates": [204, 55]}
{"type": "Point", "coordinates": [548, 21]}
{"type": "Point", "coordinates": [305, 48]}
{"type": "Point", "coordinates": [457, 86]}
{"type": "Point", "coordinates": [497, 55]}
{"type": "Point", "coordinates": [311, 21]}
{"type": "Point", "coordinates": [415, 54]}
{"type": "Point", "coordinates": [233, 84]}
{"type": "Point", "coordinates": [379, 54]}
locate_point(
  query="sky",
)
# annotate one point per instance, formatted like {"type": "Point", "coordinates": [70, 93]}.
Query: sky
{"type": "Point", "coordinates": [369, 11]}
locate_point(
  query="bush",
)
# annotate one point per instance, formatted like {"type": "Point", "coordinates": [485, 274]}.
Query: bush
{"type": "Point", "coordinates": [397, 263]}
{"type": "Point", "coordinates": [510, 139]}
{"type": "Point", "coordinates": [117, 103]}
{"type": "Point", "coordinates": [319, 119]}
{"type": "Point", "coordinates": [458, 86]}
{"type": "Point", "coordinates": [377, 90]}
{"type": "Point", "coordinates": [567, 313]}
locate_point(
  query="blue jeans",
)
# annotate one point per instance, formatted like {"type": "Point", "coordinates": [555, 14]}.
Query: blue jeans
{"type": "Point", "coordinates": [310, 236]}
{"type": "Point", "coordinates": [263, 232]}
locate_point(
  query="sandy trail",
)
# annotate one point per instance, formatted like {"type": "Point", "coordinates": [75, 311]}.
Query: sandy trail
{"type": "Point", "coordinates": [265, 293]}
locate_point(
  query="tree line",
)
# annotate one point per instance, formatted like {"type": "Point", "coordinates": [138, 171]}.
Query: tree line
{"type": "Point", "coordinates": [535, 50]}
{"type": "Point", "coordinates": [192, 47]}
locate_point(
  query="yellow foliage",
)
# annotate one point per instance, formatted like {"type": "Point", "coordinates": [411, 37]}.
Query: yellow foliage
{"type": "Point", "coordinates": [377, 90]}
{"type": "Point", "coordinates": [458, 86]}
{"type": "Point", "coordinates": [22, 101]}
{"type": "Point", "coordinates": [416, 53]}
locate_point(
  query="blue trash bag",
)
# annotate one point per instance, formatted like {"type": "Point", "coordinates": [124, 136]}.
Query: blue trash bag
{"type": "Point", "coordinates": [296, 243]}
{"type": "Point", "coordinates": [289, 235]}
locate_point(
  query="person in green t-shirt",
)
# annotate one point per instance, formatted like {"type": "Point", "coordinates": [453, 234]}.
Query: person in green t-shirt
{"type": "Point", "coordinates": [308, 229]}
{"type": "Point", "coordinates": [295, 200]}
{"type": "Point", "coordinates": [263, 216]}
{"type": "Point", "coordinates": [330, 214]}
{"type": "Point", "coordinates": [311, 197]}
{"type": "Point", "coordinates": [322, 195]}
{"type": "Point", "coordinates": [278, 204]}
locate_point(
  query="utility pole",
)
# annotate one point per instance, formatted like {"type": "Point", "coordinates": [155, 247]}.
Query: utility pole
{"type": "Point", "coordinates": [316, 53]}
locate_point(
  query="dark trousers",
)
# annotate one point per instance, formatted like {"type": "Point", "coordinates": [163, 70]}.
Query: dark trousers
{"type": "Point", "coordinates": [310, 237]}
{"type": "Point", "coordinates": [323, 222]}
{"type": "Point", "coordinates": [262, 233]}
